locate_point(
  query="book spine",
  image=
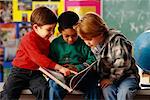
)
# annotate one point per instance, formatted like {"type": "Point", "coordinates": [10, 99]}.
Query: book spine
{"type": "Point", "coordinates": [55, 79]}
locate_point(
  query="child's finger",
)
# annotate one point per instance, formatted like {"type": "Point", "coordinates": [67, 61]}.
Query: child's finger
{"type": "Point", "coordinates": [67, 73]}
{"type": "Point", "coordinates": [74, 72]}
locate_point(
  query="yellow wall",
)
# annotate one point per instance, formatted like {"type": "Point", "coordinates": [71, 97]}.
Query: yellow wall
{"type": "Point", "coordinates": [56, 6]}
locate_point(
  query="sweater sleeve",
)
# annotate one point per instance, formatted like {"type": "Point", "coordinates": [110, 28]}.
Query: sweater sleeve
{"type": "Point", "coordinates": [88, 55]}
{"type": "Point", "coordinates": [35, 54]}
{"type": "Point", "coordinates": [121, 53]}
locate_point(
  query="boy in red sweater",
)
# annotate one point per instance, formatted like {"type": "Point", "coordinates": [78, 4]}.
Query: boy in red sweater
{"type": "Point", "coordinates": [32, 53]}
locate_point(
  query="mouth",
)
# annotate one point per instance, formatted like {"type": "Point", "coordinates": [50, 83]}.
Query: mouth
{"type": "Point", "coordinates": [48, 36]}
{"type": "Point", "coordinates": [70, 43]}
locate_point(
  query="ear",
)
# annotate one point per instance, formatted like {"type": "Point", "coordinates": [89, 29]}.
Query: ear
{"type": "Point", "coordinates": [35, 27]}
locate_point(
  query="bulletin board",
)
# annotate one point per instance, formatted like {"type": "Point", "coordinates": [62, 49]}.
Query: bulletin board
{"type": "Point", "coordinates": [9, 42]}
{"type": "Point", "coordinates": [23, 13]}
{"type": "Point", "coordinates": [5, 11]}
{"type": "Point", "coordinates": [20, 11]}
{"type": "Point", "coordinates": [83, 6]}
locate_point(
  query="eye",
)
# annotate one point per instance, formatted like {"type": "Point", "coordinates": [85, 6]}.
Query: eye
{"type": "Point", "coordinates": [66, 36]}
{"type": "Point", "coordinates": [49, 30]}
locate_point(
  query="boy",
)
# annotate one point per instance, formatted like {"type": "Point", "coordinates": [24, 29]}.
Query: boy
{"type": "Point", "coordinates": [118, 72]}
{"type": "Point", "coordinates": [70, 51]}
{"type": "Point", "coordinates": [32, 53]}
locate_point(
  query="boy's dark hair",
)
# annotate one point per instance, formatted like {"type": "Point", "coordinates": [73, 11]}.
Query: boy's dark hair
{"type": "Point", "coordinates": [67, 20]}
{"type": "Point", "coordinates": [42, 16]}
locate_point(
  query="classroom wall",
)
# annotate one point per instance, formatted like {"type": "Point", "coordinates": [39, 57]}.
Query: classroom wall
{"type": "Point", "coordinates": [15, 17]}
{"type": "Point", "coordinates": [129, 16]}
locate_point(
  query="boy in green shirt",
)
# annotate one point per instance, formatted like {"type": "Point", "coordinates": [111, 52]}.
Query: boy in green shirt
{"type": "Point", "coordinates": [70, 50]}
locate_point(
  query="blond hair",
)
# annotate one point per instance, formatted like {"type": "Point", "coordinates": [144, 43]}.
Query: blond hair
{"type": "Point", "coordinates": [91, 25]}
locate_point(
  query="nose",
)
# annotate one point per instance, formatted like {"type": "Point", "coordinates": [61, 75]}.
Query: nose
{"type": "Point", "coordinates": [49, 35]}
{"type": "Point", "coordinates": [51, 32]}
{"type": "Point", "coordinates": [70, 39]}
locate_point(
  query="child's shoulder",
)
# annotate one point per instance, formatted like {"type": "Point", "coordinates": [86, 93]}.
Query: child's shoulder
{"type": "Point", "coordinates": [81, 43]}
{"type": "Point", "coordinates": [79, 40]}
{"type": "Point", "coordinates": [26, 36]}
{"type": "Point", "coordinates": [57, 39]}
{"type": "Point", "coordinates": [116, 34]}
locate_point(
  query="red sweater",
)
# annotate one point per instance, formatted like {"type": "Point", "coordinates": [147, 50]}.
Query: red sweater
{"type": "Point", "coordinates": [32, 53]}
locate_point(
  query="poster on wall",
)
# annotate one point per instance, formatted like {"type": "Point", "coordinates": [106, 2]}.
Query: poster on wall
{"type": "Point", "coordinates": [23, 28]}
{"type": "Point", "coordinates": [51, 5]}
{"type": "Point", "coordinates": [83, 6]}
{"type": "Point", "coordinates": [8, 37]}
{"type": "Point", "coordinates": [6, 11]}
{"type": "Point", "coordinates": [22, 9]}
{"type": "Point", "coordinates": [24, 5]}
{"type": "Point", "coordinates": [83, 0]}
{"type": "Point", "coordinates": [7, 32]}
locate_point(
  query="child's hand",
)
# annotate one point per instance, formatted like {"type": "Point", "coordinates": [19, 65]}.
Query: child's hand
{"type": "Point", "coordinates": [105, 82]}
{"type": "Point", "coordinates": [65, 71]}
{"type": "Point", "coordinates": [72, 68]}
{"type": "Point", "coordinates": [62, 70]}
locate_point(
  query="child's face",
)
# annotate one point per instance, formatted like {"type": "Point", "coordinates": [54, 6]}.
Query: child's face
{"type": "Point", "coordinates": [69, 35]}
{"type": "Point", "coordinates": [94, 41]}
{"type": "Point", "coordinates": [45, 31]}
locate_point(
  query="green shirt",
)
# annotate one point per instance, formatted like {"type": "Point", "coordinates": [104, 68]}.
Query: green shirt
{"type": "Point", "coordinates": [76, 54]}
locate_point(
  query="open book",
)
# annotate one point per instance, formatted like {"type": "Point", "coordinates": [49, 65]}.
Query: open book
{"type": "Point", "coordinates": [60, 79]}
{"type": "Point", "coordinates": [76, 79]}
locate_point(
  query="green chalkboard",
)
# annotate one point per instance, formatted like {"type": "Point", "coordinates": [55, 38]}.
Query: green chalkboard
{"type": "Point", "coordinates": [132, 17]}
